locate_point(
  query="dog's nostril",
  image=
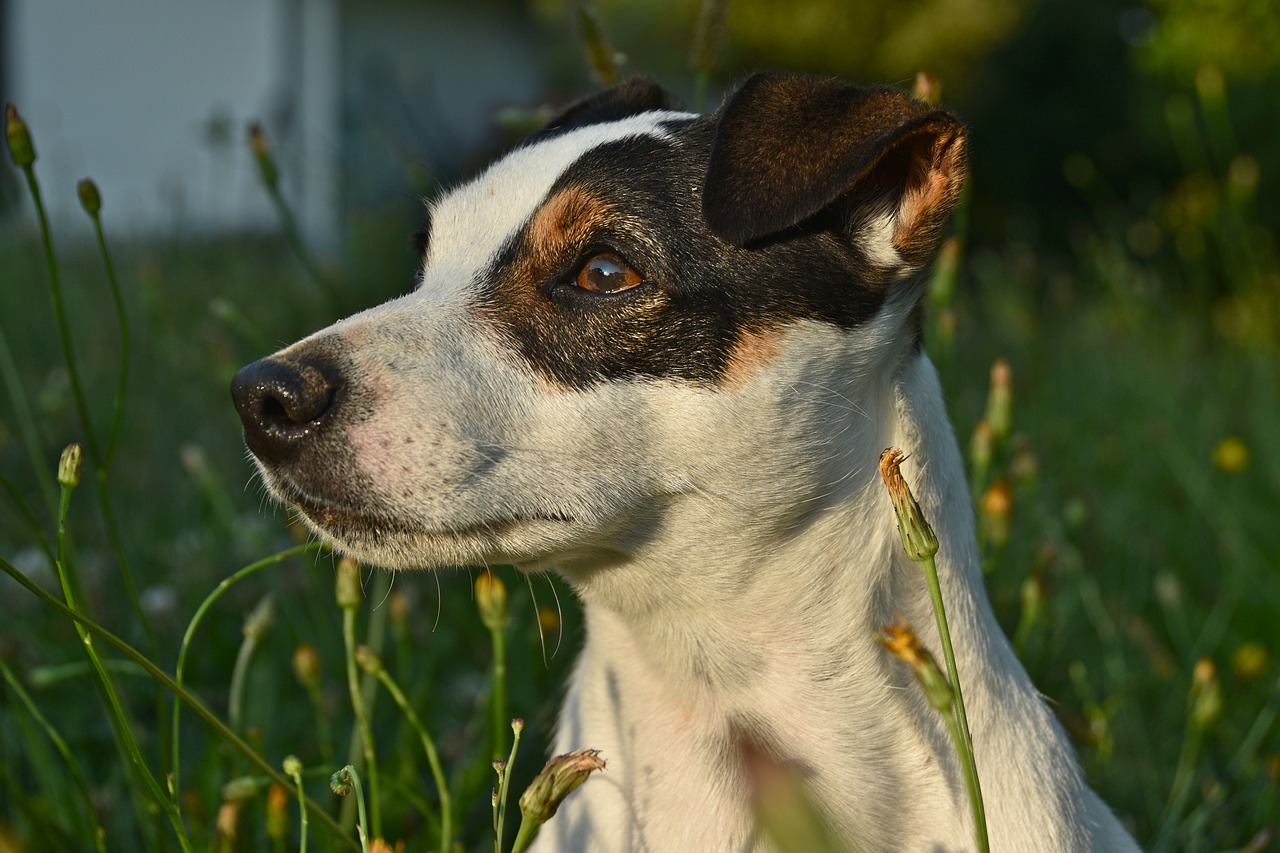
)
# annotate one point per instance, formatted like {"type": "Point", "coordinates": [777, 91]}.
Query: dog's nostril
{"type": "Point", "coordinates": [282, 403]}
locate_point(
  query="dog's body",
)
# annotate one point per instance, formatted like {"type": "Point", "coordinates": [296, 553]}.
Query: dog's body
{"type": "Point", "coordinates": [660, 354]}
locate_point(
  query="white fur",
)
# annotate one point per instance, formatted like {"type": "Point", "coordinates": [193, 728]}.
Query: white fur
{"type": "Point", "coordinates": [733, 547]}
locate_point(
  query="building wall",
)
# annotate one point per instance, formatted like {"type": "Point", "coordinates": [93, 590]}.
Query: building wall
{"type": "Point", "coordinates": [151, 98]}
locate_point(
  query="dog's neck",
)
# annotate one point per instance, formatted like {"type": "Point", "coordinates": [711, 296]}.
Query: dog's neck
{"type": "Point", "coordinates": [746, 623]}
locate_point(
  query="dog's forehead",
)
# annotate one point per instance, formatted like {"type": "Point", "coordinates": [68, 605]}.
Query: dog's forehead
{"type": "Point", "coordinates": [480, 216]}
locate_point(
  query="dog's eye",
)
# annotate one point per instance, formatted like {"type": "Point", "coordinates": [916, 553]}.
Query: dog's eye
{"type": "Point", "coordinates": [607, 273]}
{"type": "Point", "coordinates": [417, 279]}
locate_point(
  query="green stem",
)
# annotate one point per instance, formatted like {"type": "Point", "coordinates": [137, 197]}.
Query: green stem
{"type": "Point", "coordinates": [499, 697]}
{"type": "Point", "coordinates": [99, 833]}
{"type": "Point", "coordinates": [358, 707]}
{"type": "Point", "coordinates": [211, 719]}
{"type": "Point", "coordinates": [506, 782]}
{"type": "Point", "coordinates": [60, 315]}
{"type": "Point", "coordinates": [117, 547]}
{"type": "Point", "coordinates": [525, 835]}
{"type": "Point", "coordinates": [965, 740]}
{"type": "Point", "coordinates": [302, 808]}
{"type": "Point", "coordinates": [221, 588]}
{"type": "Point", "coordinates": [26, 425]}
{"type": "Point", "coordinates": [433, 757]}
{"type": "Point", "coordinates": [117, 418]}
{"type": "Point", "coordinates": [124, 733]}
{"type": "Point", "coordinates": [290, 228]}
{"type": "Point", "coordinates": [29, 516]}
{"type": "Point", "coordinates": [1183, 777]}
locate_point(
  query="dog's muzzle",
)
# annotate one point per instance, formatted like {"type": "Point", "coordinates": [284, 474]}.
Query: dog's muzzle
{"type": "Point", "coordinates": [283, 403]}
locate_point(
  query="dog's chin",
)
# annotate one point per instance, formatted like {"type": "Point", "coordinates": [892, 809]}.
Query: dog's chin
{"type": "Point", "coordinates": [391, 543]}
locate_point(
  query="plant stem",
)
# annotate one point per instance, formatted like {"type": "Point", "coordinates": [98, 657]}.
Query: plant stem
{"type": "Point", "coordinates": [223, 586]}
{"type": "Point", "coordinates": [499, 697]}
{"type": "Point", "coordinates": [99, 833]}
{"type": "Point", "coordinates": [117, 419]}
{"type": "Point", "coordinates": [433, 757]}
{"type": "Point", "coordinates": [60, 316]}
{"type": "Point", "coordinates": [365, 729]}
{"type": "Point", "coordinates": [506, 781]}
{"type": "Point", "coordinates": [211, 719]}
{"type": "Point", "coordinates": [124, 733]}
{"type": "Point", "coordinates": [964, 740]}
{"type": "Point", "coordinates": [26, 425]}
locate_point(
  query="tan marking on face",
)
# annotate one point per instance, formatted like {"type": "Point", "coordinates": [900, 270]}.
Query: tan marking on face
{"type": "Point", "coordinates": [755, 352]}
{"type": "Point", "coordinates": [567, 219]}
{"type": "Point", "coordinates": [559, 230]}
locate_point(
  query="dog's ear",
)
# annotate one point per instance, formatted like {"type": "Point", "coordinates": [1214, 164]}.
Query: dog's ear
{"type": "Point", "coordinates": [632, 96]}
{"type": "Point", "coordinates": [787, 148]}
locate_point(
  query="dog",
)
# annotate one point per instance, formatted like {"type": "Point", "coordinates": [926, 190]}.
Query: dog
{"type": "Point", "coordinates": [660, 353]}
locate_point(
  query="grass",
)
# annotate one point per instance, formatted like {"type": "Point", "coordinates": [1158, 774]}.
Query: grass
{"type": "Point", "coordinates": [1128, 518]}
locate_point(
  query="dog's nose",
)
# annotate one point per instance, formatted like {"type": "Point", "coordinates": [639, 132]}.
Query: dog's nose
{"type": "Point", "coordinates": [282, 403]}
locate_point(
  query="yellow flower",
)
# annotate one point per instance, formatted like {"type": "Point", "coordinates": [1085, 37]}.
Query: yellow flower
{"type": "Point", "coordinates": [1231, 455]}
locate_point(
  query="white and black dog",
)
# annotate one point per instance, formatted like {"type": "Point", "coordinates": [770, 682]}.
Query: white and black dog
{"type": "Point", "coordinates": [660, 353]}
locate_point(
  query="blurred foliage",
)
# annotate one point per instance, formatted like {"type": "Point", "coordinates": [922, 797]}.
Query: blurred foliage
{"type": "Point", "coordinates": [1240, 36]}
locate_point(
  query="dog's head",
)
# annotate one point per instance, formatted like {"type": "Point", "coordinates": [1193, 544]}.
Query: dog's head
{"type": "Point", "coordinates": [637, 309]}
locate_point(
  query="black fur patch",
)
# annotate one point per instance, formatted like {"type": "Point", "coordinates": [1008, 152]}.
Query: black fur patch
{"type": "Point", "coordinates": [702, 296]}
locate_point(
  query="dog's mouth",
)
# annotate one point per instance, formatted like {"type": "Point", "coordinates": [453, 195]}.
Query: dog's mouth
{"type": "Point", "coordinates": [348, 519]}
{"type": "Point", "coordinates": [380, 538]}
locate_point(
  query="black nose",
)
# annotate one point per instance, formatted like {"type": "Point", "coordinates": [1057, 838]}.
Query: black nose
{"type": "Point", "coordinates": [283, 403]}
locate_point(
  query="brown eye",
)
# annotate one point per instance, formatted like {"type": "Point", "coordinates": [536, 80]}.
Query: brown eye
{"type": "Point", "coordinates": [607, 273]}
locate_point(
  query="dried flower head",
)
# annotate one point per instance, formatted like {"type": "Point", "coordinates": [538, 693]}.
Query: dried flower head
{"type": "Point", "coordinates": [918, 539]}
{"type": "Point", "coordinates": [902, 643]}
{"type": "Point", "coordinates": [559, 778]}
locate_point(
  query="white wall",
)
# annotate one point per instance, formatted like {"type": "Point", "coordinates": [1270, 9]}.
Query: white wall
{"type": "Point", "coordinates": [151, 99]}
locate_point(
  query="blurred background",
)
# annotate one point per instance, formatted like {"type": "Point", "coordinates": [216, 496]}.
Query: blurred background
{"type": "Point", "coordinates": [1115, 254]}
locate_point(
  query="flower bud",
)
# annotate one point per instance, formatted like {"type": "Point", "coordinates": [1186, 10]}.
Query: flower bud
{"type": "Point", "coordinates": [347, 587]}
{"type": "Point", "coordinates": [1250, 660]}
{"type": "Point", "coordinates": [342, 781]}
{"type": "Point", "coordinates": [258, 622]}
{"type": "Point", "coordinates": [228, 820]}
{"type": "Point", "coordinates": [21, 149]}
{"type": "Point", "coordinates": [69, 466]}
{"type": "Point", "coordinates": [240, 789]}
{"type": "Point", "coordinates": [559, 778]}
{"type": "Point", "coordinates": [927, 88]}
{"type": "Point", "coordinates": [918, 539]}
{"type": "Point", "coordinates": [398, 607]}
{"type": "Point", "coordinates": [262, 154]}
{"type": "Point", "coordinates": [1231, 455]}
{"type": "Point", "coordinates": [292, 765]}
{"type": "Point", "coordinates": [996, 511]}
{"type": "Point", "coordinates": [277, 819]}
{"type": "Point", "coordinates": [903, 644]}
{"type": "Point", "coordinates": [491, 599]}
{"type": "Point", "coordinates": [1000, 399]}
{"type": "Point", "coordinates": [90, 198]}
{"type": "Point", "coordinates": [306, 665]}
{"type": "Point", "coordinates": [367, 659]}
{"type": "Point", "coordinates": [1206, 694]}
{"type": "Point", "coordinates": [548, 620]}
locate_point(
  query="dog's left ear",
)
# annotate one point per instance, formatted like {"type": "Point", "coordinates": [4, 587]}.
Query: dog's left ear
{"type": "Point", "coordinates": [632, 96]}
{"type": "Point", "coordinates": [788, 148]}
